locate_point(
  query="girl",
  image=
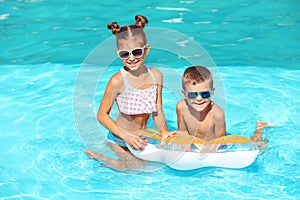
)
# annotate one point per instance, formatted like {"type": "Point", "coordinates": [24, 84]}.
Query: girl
{"type": "Point", "coordinates": [137, 91]}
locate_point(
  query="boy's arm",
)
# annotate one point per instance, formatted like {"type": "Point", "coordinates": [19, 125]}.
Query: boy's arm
{"type": "Point", "coordinates": [181, 124]}
{"type": "Point", "coordinates": [180, 120]}
{"type": "Point", "coordinates": [219, 122]}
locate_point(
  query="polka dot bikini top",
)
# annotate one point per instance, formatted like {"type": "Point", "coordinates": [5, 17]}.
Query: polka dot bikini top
{"type": "Point", "coordinates": [134, 101]}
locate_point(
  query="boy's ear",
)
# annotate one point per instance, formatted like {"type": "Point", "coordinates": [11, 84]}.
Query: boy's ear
{"type": "Point", "coordinates": [213, 92]}
{"type": "Point", "coordinates": [183, 92]}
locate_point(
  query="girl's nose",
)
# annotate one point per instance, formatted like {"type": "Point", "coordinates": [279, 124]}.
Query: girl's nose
{"type": "Point", "coordinates": [131, 57]}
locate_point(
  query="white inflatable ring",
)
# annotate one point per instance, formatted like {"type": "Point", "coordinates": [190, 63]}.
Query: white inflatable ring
{"type": "Point", "coordinates": [228, 152]}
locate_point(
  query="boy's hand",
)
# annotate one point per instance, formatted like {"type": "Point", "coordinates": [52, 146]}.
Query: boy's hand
{"type": "Point", "coordinates": [165, 135]}
{"type": "Point", "coordinates": [261, 125]}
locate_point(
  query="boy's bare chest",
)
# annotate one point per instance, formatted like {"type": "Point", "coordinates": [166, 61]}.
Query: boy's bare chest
{"type": "Point", "coordinates": [199, 128]}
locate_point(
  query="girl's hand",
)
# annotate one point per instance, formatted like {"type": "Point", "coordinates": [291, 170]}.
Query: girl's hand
{"type": "Point", "coordinates": [135, 142]}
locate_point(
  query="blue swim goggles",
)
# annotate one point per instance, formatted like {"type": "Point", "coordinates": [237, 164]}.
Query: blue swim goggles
{"type": "Point", "coordinates": [193, 95]}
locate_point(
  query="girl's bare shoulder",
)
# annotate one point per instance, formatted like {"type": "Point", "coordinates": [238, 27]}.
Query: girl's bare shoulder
{"type": "Point", "coordinates": [116, 78]}
{"type": "Point", "coordinates": [156, 72]}
{"type": "Point", "coordinates": [116, 82]}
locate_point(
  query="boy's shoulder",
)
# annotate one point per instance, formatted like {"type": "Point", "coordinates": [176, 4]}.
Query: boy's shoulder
{"type": "Point", "coordinates": [181, 104]}
{"type": "Point", "coordinates": [217, 110]}
{"type": "Point", "coordinates": [216, 107]}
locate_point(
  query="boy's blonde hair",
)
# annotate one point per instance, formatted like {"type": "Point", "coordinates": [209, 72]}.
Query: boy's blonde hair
{"type": "Point", "coordinates": [196, 74]}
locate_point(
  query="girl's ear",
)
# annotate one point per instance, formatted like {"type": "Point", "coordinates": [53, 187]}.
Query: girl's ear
{"type": "Point", "coordinates": [147, 49]}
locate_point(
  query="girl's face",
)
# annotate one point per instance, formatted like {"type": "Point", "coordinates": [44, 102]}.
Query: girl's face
{"type": "Point", "coordinates": [132, 53]}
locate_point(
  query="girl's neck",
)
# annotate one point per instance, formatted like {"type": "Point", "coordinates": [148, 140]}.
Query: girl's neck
{"type": "Point", "coordinates": [137, 72]}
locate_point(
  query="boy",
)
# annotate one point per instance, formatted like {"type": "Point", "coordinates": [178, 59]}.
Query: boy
{"type": "Point", "coordinates": [198, 115]}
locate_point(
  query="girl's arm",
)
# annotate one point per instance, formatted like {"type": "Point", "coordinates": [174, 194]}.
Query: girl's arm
{"type": "Point", "coordinates": [103, 117]}
{"type": "Point", "coordinates": [159, 117]}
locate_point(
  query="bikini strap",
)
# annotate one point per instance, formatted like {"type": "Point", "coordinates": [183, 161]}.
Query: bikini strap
{"type": "Point", "coordinates": [152, 75]}
{"type": "Point", "coordinates": [124, 78]}
{"type": "Point", "coordinates": [127, 85]}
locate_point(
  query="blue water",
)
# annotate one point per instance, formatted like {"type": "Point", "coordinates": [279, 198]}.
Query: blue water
{"type": "Point", "coordinates": [50, 94]}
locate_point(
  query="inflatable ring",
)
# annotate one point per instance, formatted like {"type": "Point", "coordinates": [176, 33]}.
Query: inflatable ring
{"type": "Point", "coordinates": [228, 152]}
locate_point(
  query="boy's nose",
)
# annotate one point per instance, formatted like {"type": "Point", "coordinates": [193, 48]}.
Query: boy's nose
{"type": "Point", "coordinates": [199, 98]}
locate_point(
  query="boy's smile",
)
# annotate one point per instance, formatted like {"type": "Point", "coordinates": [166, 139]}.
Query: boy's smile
{"type": "Point", "coordinates": [198, 105]}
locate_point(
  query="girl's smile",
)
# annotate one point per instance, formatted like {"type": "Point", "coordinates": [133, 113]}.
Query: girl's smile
{"type": "Point", "coordinates": [134, 58]}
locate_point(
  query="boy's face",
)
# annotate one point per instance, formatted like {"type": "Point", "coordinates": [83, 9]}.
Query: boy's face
{"type": "Point", "coordinates": [198, 95]}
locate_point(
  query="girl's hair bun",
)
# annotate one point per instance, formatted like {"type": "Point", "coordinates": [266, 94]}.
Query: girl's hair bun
{"type": "Point", "coordinates": [140, 21]}
{"type": "Point", "coordinates": [114, 27]}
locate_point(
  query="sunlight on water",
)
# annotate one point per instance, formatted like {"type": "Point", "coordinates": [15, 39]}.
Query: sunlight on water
{"type": "Point", "coordinates": [254, 45]}
{"type": "Point", "coordinates": [51, 154]}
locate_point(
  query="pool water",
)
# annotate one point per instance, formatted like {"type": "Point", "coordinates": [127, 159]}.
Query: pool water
{"type": "Point", "coordinates": [48, 114]}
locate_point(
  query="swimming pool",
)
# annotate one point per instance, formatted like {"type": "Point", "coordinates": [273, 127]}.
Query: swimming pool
{"type": "Point", "coordinates": [254, 46]}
